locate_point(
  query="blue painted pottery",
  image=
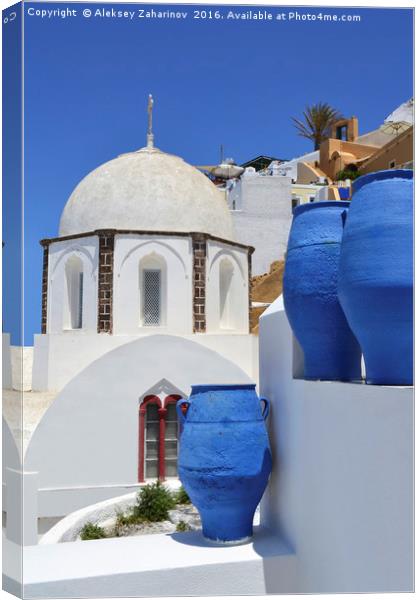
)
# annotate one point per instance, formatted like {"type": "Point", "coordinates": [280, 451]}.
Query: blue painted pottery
{"type": "Point", "coordinates": [310, 293]}
{"type": "Point", "coordinates": [376, 274]}
{"type": "Point", "coordinates": [225, 459]}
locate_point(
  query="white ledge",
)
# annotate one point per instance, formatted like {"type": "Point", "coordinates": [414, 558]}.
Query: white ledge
{"type": "Point", "coordinates": [158, 565]}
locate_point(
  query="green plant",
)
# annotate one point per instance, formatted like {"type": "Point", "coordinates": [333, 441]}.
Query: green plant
{"type": "Point", "coordinates": [181, 496]}
{"type": "Point", "coordinates": [347, 174]}
{"type": "Point", "coordinates": [126, 519]}
{"type": "Point", "coordinates": [182, 526]}
{"type": "Point", "coordinates": [153, 502]}
{"type": "Point", "coordinates": [317, 121]}
{"type": "Point", "coordinates": [90, 531]}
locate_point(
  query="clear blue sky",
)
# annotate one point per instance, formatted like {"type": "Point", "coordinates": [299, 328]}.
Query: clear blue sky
{"type": "Point", "coordinates": [214, 81]}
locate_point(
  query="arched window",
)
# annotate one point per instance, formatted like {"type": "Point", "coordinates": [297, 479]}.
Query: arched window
{"type": "Point", "coordinates": [158, 438]}
{"type": "Point", "coordinates": [152, 281]}
{"type": "Point", "coordinates": [151, 450]}
{"type": "Point", "coordinates": [73, 318]}
{"type": "Point", "coordinates": [225, 290]}
{"type": "Point", "coordinates": [171, 436]}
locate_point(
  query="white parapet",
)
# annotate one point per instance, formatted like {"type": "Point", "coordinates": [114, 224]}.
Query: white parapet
{"type": "Point", "coordinates": [22, 506]}
{"type": "Point", "coordinates": [341, 492]}
{"type": "Point", "coordinates": [179, 564]}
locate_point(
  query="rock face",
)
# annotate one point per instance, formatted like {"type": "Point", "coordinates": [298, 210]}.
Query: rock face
{"type": "Point", "coordinates": [266, 288]}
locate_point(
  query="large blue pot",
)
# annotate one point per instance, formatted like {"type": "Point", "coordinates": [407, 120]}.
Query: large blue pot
{"type": "Point", "coordinates": [225, 459]}
{"type": "Point", "coordinates": [376, 274]}
{"type": "Point", "coordinates": [330, 349]}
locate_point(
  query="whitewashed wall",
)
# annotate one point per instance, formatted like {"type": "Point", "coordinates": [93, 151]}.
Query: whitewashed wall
{"type": "Point", "coordinates": [181, 564]}
{"type": "Point", "coordinates": [341, 492]}
{"type": "Point", "coordinates": [59, 358]}
{"type": "Point", "coordinates": [175, 253]}
{"type": "Point", "coordinates": [237, 258]}
{"type": "Point", "coordinates": [86, 445]}
{"type": "Point", "coordinates": [292, 165]}
{"type": "Point", "coordinates": [262, 217]}
{"type": "Point", "coordinates": [86, 249]}
{"type": "Point", "coordinates": [22, 363]}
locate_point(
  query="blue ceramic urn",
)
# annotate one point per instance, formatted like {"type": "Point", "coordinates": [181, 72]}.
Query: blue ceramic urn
{"type": "Point", "coordinates": [311, 302]}
{"type": "Point", "coordinates": [225, 460]}
{"type": "Point", "coordinates": [376, 274]}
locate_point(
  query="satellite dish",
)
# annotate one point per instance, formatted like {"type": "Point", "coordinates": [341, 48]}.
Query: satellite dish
{"type": "Point", "coordinates": [227, 169]}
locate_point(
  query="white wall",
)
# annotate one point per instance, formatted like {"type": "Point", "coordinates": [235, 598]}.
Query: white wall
{"type": "Point", "coordinates": [59, 358]}
{"type": "Point", "coordinates": [180, 564]}
{"type": "Point", "coordinates": [291, 166]}
{"type": "Point", "coordinates": [264, 217]}
{"type": "Point", "coordinates": [238, 313]}
{"type": "Point", "coordinates": [176, 254]}
{"type": "Point", "coordinates": [341, 492]}
{"type": "Point", "coordinates": [22, 364]}
{"type": "Point", "coordinates": [86, 445]}
{"type": "Point", "coordinates": [86, 249]}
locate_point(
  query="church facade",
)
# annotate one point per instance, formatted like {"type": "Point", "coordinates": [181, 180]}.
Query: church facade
{"type": "Point", "coordinates": [145, 291]}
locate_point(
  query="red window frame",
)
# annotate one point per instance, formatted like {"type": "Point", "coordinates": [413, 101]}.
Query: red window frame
{"type": "Point", "coordinates": [162, 412]}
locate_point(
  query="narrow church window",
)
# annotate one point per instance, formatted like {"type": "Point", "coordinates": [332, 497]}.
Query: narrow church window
{"type": "Point", "coordinates": [152, 441]}
{"type": "Point", "coordinates": [74, 283]}
{"type": "Point", "coordinates": [171, 441]}
{"type": "Point", "coordinates": [225, 287]}
{"type": "Point", "coordinates": [152, 296]}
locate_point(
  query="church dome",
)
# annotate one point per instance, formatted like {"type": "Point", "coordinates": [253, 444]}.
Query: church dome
{"type": "Point", "coordinates": [147, 190]}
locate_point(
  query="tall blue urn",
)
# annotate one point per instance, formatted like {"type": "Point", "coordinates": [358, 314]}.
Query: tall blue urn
{"type": "Point", "coordinates": [311, 302]}
{"type": "Point", "coordinates": [376, 274]}
{"type": "Point", "coordinates": [225, 460]}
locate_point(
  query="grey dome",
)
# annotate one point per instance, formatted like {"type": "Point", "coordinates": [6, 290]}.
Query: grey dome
{"type": "Point", "coordinates": [147, 190]}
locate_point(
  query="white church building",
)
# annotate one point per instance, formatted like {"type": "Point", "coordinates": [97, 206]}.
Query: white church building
{"type": "Point", "coordinates": [144, 292]}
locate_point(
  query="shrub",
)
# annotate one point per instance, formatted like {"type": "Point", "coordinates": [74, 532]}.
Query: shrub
{"type": "Point", "coordinates": [347, 174]}
{"type": "Point", "coordinates": [90, 531]}
{"type": "Point", "coordinates": [124, 520]}
{"type": "Point", "coordinates": [153, 502]}
{"type": "Point", "coordinates": [181, 496]}
{"type": "Point", "coordinates": [130, 518]}
{"type": "Point", "coordinates": [182, 526]}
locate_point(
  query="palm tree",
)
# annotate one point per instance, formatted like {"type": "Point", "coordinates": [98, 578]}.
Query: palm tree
{"type": "Point", "coordinates": [317, 122]}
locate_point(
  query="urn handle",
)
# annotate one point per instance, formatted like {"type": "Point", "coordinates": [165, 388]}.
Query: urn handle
{"type": "Point", "coordinates": [179, 404]}
{"type": "Point", "coordinates": [266, 410]}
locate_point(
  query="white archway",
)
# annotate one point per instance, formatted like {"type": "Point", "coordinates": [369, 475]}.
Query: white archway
{"type": "Point", "coordinates": [73, 298]}
{"type": "Point", "coordinates": [73, 286]}
{"type": "Point", "coordinates": [152, 287]}
{"type": "Point", "coordinates": [226, 282]}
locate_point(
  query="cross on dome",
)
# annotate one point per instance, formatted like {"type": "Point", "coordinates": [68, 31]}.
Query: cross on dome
{"type": "Point", "coordinates": [150, 136]}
